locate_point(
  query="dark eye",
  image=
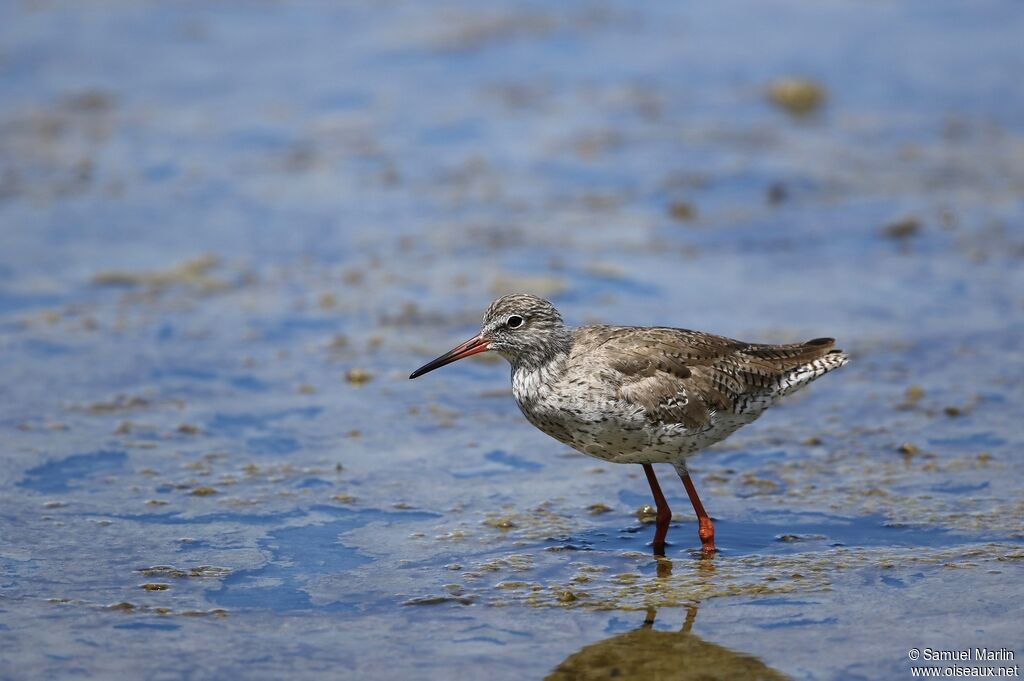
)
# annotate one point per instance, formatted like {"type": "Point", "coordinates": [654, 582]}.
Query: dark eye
{"type": "Point", "coordinates": [514, 322]}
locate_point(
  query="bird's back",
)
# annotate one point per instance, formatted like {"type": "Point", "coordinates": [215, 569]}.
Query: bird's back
{"type": "Point", "coordinates": [683, 376]}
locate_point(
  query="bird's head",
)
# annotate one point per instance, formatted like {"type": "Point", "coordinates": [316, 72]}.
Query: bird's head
{"type": "Point", "coordinates": [522, 328]}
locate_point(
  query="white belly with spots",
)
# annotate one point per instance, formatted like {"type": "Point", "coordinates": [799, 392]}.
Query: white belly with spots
{"type": "Point", "coordinates": [613, 430]}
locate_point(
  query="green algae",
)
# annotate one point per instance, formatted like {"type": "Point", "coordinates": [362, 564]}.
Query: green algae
{"type": "Point", "coordinates": [198, 572]}
{"type": "Point", "coordinates": [196, 272]}
{"type": "Point", "coordinates": [797, 96]}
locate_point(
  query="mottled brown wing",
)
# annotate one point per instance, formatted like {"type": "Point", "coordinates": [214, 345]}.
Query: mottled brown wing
{"type": "Point", "coordinates": [681, 376]}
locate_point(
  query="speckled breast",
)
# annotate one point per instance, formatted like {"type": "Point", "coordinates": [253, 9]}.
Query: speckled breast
{"type": "Point", "coordinates": [603, 428]}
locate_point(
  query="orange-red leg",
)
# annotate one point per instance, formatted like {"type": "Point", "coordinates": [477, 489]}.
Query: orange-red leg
{"type": "Point", "coordinates": [705, 529]}
{"type": "Point", "coordinates": [664, 516]}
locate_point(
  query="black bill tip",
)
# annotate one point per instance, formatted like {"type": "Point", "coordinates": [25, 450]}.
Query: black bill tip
{"type": "Point", "coordinates": [473, 346]}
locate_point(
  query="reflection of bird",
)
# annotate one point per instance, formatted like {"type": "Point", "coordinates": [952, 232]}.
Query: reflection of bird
{"type": "Point", "coordinates": [645, 654]}
{"type": "Point", "coordinates": [639, 394]}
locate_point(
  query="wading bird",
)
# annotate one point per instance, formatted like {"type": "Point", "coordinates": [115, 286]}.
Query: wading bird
{"type": "Point", "coordinates": [641, 395]}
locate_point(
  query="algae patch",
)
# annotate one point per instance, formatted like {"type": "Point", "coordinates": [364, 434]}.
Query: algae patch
{"type": "Point", "coordinates": [684, 582]}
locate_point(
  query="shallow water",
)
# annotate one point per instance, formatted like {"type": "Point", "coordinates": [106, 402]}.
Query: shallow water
{"type": "Point", "coordinates": [231, 230]}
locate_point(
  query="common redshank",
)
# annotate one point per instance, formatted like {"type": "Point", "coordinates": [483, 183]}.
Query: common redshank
{"type": "Point", "coordinates": [632, 394]}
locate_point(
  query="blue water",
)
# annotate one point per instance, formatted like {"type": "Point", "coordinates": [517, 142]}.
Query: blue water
{"type": "Point", "coordinates": [65, 474]}
{"type": "Point", "coordinates": [228, 232]}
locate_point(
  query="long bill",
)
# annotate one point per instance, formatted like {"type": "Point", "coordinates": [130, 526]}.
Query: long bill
{"type": "Point", "coordinates": [473, 346]}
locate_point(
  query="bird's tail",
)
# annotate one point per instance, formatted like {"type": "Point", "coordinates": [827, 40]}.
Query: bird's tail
{"type": "Point", "coordinates": [804, 373]}
{"type": "Point", "coordinates": [794, 365]}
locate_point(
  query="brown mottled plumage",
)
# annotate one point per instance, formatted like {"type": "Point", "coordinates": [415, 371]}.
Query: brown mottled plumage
{"type": "Point", "coordinates": [639, 394]}
{"type": "Point", "coordinates": [682, 376]}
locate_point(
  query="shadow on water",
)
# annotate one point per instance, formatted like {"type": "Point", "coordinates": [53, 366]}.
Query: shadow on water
{"type": "Point", "coordinates": [647, 653]}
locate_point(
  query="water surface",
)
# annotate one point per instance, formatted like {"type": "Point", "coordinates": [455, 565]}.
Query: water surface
{"type": "Point", "coordinates": [230, 230]}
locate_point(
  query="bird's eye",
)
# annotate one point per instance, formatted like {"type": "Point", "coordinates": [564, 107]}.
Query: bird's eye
{"type": "Point", "coordinates": [514, 322]}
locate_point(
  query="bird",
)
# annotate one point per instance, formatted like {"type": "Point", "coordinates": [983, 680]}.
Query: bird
{"type": "Point", "coordinates": [639, 394]}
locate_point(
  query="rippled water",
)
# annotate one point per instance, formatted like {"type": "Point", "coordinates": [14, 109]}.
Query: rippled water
{"type": "Point", "coordinates": [229, 231]}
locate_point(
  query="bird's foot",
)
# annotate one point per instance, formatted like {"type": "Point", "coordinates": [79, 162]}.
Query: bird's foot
{"type": "Point", "coordinates": [706, 532]}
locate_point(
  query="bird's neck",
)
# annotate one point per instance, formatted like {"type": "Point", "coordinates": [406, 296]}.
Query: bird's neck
{"type": "Point", "coordinates": [544, 357]}
{"type": "Point", "coordinates": [532, 382]}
